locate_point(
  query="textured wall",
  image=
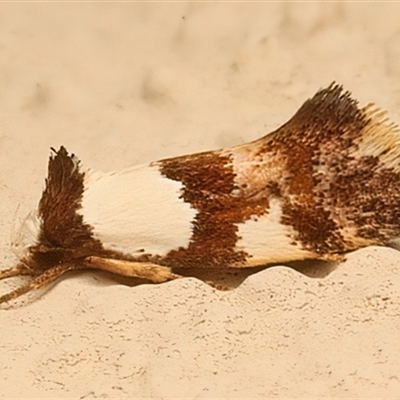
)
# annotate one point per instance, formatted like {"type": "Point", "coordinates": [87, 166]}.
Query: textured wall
{"type": "Point", "coordinates": [122, 83]}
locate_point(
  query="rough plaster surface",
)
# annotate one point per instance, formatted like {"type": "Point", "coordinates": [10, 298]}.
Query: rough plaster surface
{"type": "Point", "coordinates": [120, 84]}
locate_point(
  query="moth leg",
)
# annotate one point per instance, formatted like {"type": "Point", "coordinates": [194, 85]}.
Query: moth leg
{"type": "Point", "coordinates": [145, 270]}
{"type": "Point", "coordinates": [18, 270]}
{"type": "Point", "coordinates": [38, 282]}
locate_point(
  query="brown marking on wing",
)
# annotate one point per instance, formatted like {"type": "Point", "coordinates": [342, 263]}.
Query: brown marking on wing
{"type": "Point", "coordinates": [64, 236]}
{"type": "Point", "coordinates": [62, 226]}
{"type": "Point", "coordinates": [334, 197]}
{"type": "Point", "coordinates": [330, 187]}
{"type": "Point", "coordinates": [320, 137]}
{"type": "Point", "coordinates": [208, 180]}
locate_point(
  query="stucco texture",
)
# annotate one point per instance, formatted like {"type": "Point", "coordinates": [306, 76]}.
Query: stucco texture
{"type": "Point", "coordinates": [126, 83]}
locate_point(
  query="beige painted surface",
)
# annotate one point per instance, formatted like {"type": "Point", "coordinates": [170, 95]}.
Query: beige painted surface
{"type": "Point", "coordinates": [120, 84]}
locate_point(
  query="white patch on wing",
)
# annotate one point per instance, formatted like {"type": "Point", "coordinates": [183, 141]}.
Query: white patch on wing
{"type": "Point", "coordinates": [137, 209]}
{"type": "Point", "coordinates": [267, 240]}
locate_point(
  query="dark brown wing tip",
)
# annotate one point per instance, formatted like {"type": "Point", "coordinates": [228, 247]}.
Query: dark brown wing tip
{"type": "Point", "coordinates": [64, 179]}
{"type": "Point", "coordinates": [62, 152]}
{"type": "Point", "coordinates": [330, 102]}
{"type": "Point", "coordinates": [331, 111]}
{"type": "Point", "coordinates": [63, 162]}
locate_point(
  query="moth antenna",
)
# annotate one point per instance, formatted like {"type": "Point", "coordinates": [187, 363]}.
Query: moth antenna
{"type": "Point", "coordinates": [20, 269]}
{"type": "Point", "coordinates": [38, 282]}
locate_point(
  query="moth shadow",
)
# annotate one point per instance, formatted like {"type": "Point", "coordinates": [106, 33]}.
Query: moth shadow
{"type": "Point", "coordinates": [314, 268]}
{"type": "Point", "coordinates": [231, 278]}
{"type": "Point", "coordinates": [223, 278]}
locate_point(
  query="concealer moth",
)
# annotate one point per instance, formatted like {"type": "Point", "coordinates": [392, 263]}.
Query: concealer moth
{"type": "Point", "coordinates": [323, 184]}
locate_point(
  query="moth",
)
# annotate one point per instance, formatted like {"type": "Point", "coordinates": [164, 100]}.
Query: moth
{"type": "Point", "coordinates": [323, 184]}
